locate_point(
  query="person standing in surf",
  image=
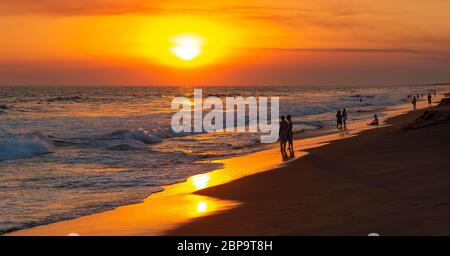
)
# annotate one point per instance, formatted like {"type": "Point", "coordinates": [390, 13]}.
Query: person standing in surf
{"type": "Point", "coordinates": [339, 119]}
{"type": "Point", "coordinates": [283, 133]}
{"type": "Point", "coordinates": [344, 118]}
{"type": "Point", "coordinates": [290, 134]}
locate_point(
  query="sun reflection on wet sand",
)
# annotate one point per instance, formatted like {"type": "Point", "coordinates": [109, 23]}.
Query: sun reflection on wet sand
{"type": "Point", "coordinates": [202, 206]}
{"type": "Point", "coordinates": [201, 180]}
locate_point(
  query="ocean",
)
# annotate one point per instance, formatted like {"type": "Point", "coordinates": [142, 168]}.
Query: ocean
{"type": "Point", "coordinates": [66, 152]}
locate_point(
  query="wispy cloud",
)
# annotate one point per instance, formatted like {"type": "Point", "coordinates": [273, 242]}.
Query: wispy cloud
{"type": "Point", "coordinates": [149, 7]}
{"type": "Point", "coordinates": [362, 50]}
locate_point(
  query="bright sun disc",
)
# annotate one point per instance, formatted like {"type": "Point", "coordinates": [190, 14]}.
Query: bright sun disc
{"type": "Point", "coordinates": [186, 47]}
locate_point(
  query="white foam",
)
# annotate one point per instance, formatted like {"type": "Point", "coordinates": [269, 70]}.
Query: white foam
{"type": "Point", "coordinates": [18, 146]}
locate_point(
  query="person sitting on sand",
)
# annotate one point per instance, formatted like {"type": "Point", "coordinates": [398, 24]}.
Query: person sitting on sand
{"type": "Point", "coordinates": [375, 121]}
{"type": "Point", "coordinates": [344, 118]}
{"type": "Point", "coordinates": [283, 133]}
{"type": "Point", "coordinates": [339, 119]}
{"type": "Point", "coordinates": [290, 135]}
{"type": "Point", "coordinates": [414, 102]}
{"type": "Point", "coordinates": [429, 98]}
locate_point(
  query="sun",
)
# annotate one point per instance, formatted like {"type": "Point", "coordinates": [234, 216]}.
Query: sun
{"type": "Point", "coordinates": [187, 47]}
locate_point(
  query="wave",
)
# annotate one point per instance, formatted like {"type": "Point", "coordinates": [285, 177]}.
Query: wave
{"type": "Point", "coordinates": [362, 96]}
{"type": "Point", "coordinates": [122, 140]}
{"type": "Point", "coordinates": [3, 109]}
{"type": "Point", "coordinates": [25, 145]}
{"type": "Point", "coordinates": [70, 98]}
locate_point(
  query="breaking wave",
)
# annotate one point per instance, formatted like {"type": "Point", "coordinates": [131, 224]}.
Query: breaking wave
{"type": "Point", "coordinates": [25, 145]}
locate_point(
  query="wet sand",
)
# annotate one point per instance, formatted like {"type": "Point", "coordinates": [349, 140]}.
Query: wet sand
{"type": "Point", "coordinates": [387, 180]}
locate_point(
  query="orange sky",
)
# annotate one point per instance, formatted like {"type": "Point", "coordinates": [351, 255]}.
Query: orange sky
{"type": "Point", "coordinates": [245, 42]}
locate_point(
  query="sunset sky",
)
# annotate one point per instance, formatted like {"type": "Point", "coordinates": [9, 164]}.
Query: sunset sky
{"type": "Point", "coordinates": [233, 42]}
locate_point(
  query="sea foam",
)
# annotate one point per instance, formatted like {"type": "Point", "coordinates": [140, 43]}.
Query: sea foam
{"type": "Point", "coordinates": [18, 146]}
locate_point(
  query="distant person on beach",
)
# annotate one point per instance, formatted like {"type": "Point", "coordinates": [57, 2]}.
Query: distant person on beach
{"type": "Point", "coordinates": [339, 119]}
{"type": "Point", "coordinates": [434, 93]}
{"type": "Point", "coordinates": [375, 121]}
{"type": "Point", "coordinates": [283, 133]}
{"type": "Point", "coordinates": [290, 134]}
{"type": "Point", "coordinates": [429, 98]}
{"type": "Point", "coordinates": [414, 102]}
{"type": "Point", "coordinates": [344, 118]}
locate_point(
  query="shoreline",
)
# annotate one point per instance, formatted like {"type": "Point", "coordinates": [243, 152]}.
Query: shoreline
{"type": "Point", "coordinates": [160, 212]}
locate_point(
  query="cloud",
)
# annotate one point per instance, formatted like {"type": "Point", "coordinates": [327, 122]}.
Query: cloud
{"type": "Point", "coordinates": [362, 50]}
{"type": "Point", "coordinates": [121, 7]}
{"type": "Point", "coordinates": [76, 7]}
{"type": "Point", "coordinates": [334, 17]}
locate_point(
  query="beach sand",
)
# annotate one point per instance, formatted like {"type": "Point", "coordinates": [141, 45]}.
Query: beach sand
{"type": "Point", "coordinates": [390, 180]}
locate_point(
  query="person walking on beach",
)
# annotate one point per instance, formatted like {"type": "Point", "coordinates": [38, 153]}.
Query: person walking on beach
{"type": "Point", "coordinates": [290, 135]}
{"type": "Point", "coordinates": [283, 133]}
{"type": "Point", "coordinates": [339, 119]}
{"type": "Point", "coordinates": [414, 102]}
{"type": "Point", "coordinates": [344, 118]}
{"type": "Point", "coordinates": [429, 98]}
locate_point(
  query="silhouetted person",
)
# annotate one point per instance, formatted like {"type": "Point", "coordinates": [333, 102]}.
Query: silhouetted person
{"type": "Point", "coordinates": [375, 121]}
{"type": "Point", "coordinates": [338, 119]}
{"type": "Point", "coordinates": [414, 102]}
{"type": "Point", "coordinates": [434, 93]}
{"type": "Point", "coordinates": [283, 133]}
{"type": "Point", "coordinates": [291, 154]}
{"type": "Point", "coordinates": [429, 98]}
{"type": "Point", "coordinates": [284, 155]}
{"type": "Point", "coordinates": [290, 134]}
{"type": "Point", "coordinates": [344, 118]}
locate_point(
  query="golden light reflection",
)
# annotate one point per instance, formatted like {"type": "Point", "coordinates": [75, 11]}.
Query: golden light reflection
{"type": "Point", "coordinates": [202, 206]}
{"type": "Point", "coordinates": [201, 181]}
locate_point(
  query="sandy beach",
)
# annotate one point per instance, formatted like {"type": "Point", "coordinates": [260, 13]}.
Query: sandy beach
{"type": "Point", "coordinates": [391, 180]}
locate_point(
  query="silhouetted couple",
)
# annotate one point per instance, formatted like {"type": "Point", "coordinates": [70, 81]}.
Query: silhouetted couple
{"type": "Point", "coordinates": [341, 119]}
{"type": "Point", "coordinates": [285, 134]}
